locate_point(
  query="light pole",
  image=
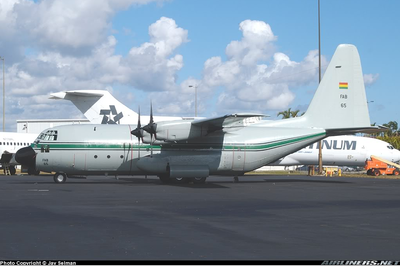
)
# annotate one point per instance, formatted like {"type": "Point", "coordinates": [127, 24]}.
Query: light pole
{"type": "Point", "coordinates": [4, 97]}
{"type": "Point", "coordinates": [319, 72]}
{"type": "Point", "coordinates": [195, 99]}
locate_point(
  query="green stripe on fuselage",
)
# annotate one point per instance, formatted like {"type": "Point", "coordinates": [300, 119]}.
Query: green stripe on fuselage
{"type": "Point", "coordinates": [175, 146]}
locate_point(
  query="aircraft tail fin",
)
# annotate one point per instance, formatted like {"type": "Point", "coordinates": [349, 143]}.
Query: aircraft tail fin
{"type": "Point", "coordinates": [98, 106]}
{"type": "Point", "coordinates": [340, 101]}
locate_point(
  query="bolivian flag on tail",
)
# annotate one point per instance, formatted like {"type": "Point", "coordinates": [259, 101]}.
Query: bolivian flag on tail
{"type": "Point", "coordinates": [343, 85]}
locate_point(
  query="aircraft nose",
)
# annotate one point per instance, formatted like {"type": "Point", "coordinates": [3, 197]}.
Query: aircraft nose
{"type": "Point", "coordinates": [396, 156]}
{"type": "Point", "coordinates": [26, 156]}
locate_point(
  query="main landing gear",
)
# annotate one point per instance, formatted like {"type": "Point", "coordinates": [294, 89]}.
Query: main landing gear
{"type": "Point", "coordinates": [60, 177]}
{"type": "Point", "coordinates": [182, 180]}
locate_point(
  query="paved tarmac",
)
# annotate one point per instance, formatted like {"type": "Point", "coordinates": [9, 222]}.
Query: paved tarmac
{"type": "Point", "coordinates": [259, 218]}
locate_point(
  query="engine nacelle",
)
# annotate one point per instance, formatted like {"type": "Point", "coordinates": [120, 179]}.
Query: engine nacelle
{"type": "Point", "coordinates": [178, 130]}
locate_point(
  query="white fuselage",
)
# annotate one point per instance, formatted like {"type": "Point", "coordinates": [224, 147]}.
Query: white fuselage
{"type": "Point", "coordinates": [11, 142]}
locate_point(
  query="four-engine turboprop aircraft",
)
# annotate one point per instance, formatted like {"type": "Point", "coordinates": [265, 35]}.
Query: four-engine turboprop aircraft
{"type": "Point", "coordinates": [227, 145]}
{"type": "Point", "coordinates": [99, 106]}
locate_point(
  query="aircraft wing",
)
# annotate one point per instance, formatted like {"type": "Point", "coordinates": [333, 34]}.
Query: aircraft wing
{"type": "Point", "coordinates": [232, 120]}
{"type": "Point", "coordinates": [185, 130]}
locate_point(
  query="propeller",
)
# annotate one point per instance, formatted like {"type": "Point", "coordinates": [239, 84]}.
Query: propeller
{"type": "Point", "coordinates": [138, 132]}
{"type": "Point", "coordinates": [151, 128]}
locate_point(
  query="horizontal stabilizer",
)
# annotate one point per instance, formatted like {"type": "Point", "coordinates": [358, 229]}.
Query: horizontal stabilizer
{"type": "Point", "coordinates": [367, 130]}
{"type": "Point", "coordinates": [82, 93]}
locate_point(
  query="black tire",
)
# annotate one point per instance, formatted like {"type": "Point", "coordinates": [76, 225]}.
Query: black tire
{"type": "Point", "coordinates": [376, 172]}
{"type": "Point", "coordinates": [369, 172]}
{"type": "Point", "coordinates": [12, 170]}
{"type": "Point", "coordinates": [181, 180]}
{"type": "Point", "coordinates": [60, 178]}
{"type": "Point", "coordinates": [199, 180]}
{"type": "Point", "coordinates": [396, 172]}
{"type": "Point", "coordinates": [33, 171]}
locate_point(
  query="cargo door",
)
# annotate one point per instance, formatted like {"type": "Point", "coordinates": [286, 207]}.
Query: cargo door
{"type": "Point", "coordinates": [238, 157]}
{"type": "Point", "coordinates": [79, 163]}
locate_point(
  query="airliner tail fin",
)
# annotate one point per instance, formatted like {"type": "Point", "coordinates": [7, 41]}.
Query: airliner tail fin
{"type": "Point", "coordinates": [99, 106]}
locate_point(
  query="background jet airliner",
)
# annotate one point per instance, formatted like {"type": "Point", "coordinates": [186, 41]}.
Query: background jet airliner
{"type": "Point", "coordinates": [100, 107]}
{"type": "Point", "coordinates": [342, 151]}
{"type": "Point", "coordinates": [224, 145]}
{"type": "Point", "coordinates": [10, 143]}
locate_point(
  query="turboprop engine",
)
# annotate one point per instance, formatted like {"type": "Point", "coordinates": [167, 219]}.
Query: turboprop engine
{"type": "Point", "coordinates": [177, 130]}
{"type": "Point", "coordinates": [167, 131]}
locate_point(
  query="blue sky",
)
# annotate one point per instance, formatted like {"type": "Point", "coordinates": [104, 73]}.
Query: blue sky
{"type": "Point", "coordinates": [143, 49]}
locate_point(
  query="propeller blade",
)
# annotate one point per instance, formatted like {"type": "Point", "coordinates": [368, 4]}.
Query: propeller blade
{"type": "Point", "coordinates": [151, 127]}
{"type": "Point", "coordinates": [138, 132]}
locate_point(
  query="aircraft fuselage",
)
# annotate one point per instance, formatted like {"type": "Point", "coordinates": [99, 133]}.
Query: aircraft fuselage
{"type": "Point", "coordinates": [111, 149]}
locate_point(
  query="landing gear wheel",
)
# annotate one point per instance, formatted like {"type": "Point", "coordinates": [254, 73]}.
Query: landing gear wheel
{"type": "Point", "coordinates": [12, 170]}
{"type": "Point", "coordinates": [376, 172]}
{"type": "Point", "coordinates": [396, 172]}
{"type": "Point", "coordinates": [60, 177]}
{"type": "Point", "coordinates": [369, 172]}
{"type": "Point", "coordinates": [180, 180]}
{"type": "Point", "coordinates": [199, 180]}
{"type": "Point", "coordinates": [33, 171]}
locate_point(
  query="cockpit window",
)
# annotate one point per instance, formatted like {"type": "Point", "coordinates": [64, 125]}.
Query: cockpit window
{"type": "Point", "coordinates": [390, 147]}
{"type": "Point", "coordinates": [49, 135]}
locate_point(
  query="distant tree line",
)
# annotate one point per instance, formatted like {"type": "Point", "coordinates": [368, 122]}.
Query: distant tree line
{"type": "Point", "coordinates": [391, 136]}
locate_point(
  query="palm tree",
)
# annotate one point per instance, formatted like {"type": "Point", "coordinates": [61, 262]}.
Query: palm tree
{"type": "Point", "coordinates": [289, 113]}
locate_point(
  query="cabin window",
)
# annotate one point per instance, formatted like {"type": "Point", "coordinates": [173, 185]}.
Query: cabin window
{"type": "Point", "coordinates": [108, 156]}
{"type": "Point", "coordinates": [95, 156]}
{"type": "Point", "coordinates": [47, 149]}
{"type": "Point", "coordinates": [121, 156]}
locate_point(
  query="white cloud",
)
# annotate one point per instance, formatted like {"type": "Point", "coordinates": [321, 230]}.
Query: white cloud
{"type": "Point", "coordinates": [72, 27]}
{"type": "Point", "coordinates": [255, 45]}
{"type": "Point", "coordinates": [249, 82]}
{"type": "Point", "coordinates": [63, 45]}
{"type": "Point", "coordinates": [370, 79]}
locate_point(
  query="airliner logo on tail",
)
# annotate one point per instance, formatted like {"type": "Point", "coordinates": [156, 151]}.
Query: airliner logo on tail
{"type": "Point", "coordinates": [110, 116]}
